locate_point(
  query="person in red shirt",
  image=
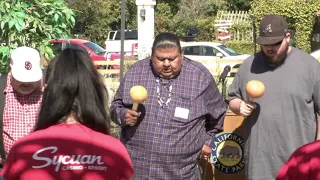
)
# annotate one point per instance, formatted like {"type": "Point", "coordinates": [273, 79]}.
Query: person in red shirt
{"type": "Point", "coordinates": [304, 164]}
{"type": "Point", "coordinates": [71, 138]}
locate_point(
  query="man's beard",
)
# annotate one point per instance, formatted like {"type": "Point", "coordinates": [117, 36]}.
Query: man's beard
{"type": "Point", "coordinates": [277, 60]}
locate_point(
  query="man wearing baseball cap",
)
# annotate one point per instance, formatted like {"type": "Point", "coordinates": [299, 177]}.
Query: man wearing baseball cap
{"type": "Point", "coordinates": [284, 118]}
{"type": "Point", "coordinates": [25, 64]}
{"type": "Point", "coordinates": [21, 98]}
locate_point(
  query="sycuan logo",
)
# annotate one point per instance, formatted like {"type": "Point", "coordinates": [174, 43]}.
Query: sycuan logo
{"type": "Point", "coordinates": [67, 162]}
{"type": "Point", "coordinates": [227, 153]}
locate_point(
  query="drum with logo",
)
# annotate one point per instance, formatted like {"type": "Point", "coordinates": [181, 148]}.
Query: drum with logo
{"type": "Point", "coordinates": [227, 162]}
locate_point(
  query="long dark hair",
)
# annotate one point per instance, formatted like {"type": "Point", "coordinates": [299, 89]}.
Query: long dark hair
{"type": "Point", "coordinates": [49, 69]}
{"type": "Point", "coordinates": [74, 86]}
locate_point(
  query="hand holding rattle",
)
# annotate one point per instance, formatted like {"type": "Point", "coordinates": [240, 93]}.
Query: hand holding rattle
{"type": "Point", "coordinates": [138, 94]}
{"type": "Point", "coordinates": [254, 89]}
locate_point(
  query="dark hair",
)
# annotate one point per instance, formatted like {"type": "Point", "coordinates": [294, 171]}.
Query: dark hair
{"type": "Point", "coordinates": [74, 85]}
{"type": "Point", "coordinates": [166, 40]}
{"type": "Point", "coordinates": [49, 69]}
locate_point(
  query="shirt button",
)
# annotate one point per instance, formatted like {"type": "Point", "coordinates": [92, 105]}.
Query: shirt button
{"type": "Point", "coordinates": [158, 124]}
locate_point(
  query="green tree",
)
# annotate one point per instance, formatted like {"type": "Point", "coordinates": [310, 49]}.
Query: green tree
{"type": "Point", "coordinates": [131, 15]}
{"type": "Point", "coordinates": [173, 4]}
{"type": "Point", "coordinates": [163, 17]}
{"type": "Point", "coordinates": [238, 5]}
{"type": "Point", "coordinates": [96, 17]}
{"type": "Point", "coordinates": [196, 14]}
{"type": "Point", "coordinates": [32, 23]}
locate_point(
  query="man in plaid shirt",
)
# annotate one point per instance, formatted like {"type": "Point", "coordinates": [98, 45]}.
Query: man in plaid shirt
{"type": "Point", "coordinates": [178, 121]}
{"type": "Point", "coordinates": [21, 98]}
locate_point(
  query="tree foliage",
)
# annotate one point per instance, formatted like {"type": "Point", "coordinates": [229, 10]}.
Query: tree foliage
{"type": "Point", "coordinates": [163, 17]}
{"type": "Point", "coordinates": [177, 16]}
{"type": "Point", "coordinates": [32, 23]}
{"type": "Point", "coordinates": [173, 4]}
{"type": "Point", "coordinates": [238, 5]}
{"type": "Point", "coordinates": [198, 14]}
{"type": "Point", "coordinates": [299, 14]}
{"type": "Point", "coordinates": [96, 17]}
{"type": "Point", "coordinates": [131, 15]}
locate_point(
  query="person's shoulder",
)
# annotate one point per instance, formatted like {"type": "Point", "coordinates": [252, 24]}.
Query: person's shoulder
{"type": "Point", "coordinates": [140, 64]}
{"type": "Point", "coordinates": [110, 140]}
{"type": "Point", "coordinates": [196, 67]}
{"type": "Point", "coordinates": [311, 150]}
{"type": "Point", "coordinates": [302, 55]}
{"type": "Point", "coordinates": [304, 61]}
{"type": "Point", "coordinates": [254, 57]}
{"type": "Point", "coordinates": [249, 61]}
{"type": "Point", "coordinates": [109, 143]}
{"type": "Point", "coordinates": [28, 140]}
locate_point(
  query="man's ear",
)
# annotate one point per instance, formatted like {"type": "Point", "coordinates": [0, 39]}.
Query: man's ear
{"type": "Point", "coordinates": [288, 37]}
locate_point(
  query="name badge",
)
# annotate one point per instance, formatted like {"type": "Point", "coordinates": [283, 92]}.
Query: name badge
{"type": "Point", "coordinates": [181, 113]}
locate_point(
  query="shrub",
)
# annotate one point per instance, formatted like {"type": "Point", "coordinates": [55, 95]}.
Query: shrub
{"type": "Point", "coordinates": [243, 47]}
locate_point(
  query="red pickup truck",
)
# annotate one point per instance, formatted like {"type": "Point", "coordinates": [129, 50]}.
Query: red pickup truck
{"type": "Point", "coordinates": [96, 52]}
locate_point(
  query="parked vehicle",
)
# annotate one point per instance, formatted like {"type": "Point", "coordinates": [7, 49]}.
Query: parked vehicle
{"type": "Point", "coordinates": [96, 52]}
{"type": "Point", "coordinates": [210, 51]}
{"type": "Point", "coordinates": [316, 54]}
{"type": "Point", "coordinates": [113, 42]}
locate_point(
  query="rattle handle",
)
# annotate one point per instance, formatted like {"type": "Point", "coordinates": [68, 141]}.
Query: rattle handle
{"type": "Point", "coordinates": [250, 100]}
{"type": "Point", "coordinates": [135, 106]}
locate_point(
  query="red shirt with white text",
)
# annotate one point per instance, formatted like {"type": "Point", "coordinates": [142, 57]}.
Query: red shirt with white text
{"type": "Point", "coordinates": [68, 152]}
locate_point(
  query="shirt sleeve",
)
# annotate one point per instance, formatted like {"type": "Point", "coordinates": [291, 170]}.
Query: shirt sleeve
{"type": "Point", "coordinates": [9, 168]}
{"type": "Point", "coordinates": [118, 108]}
{"type": "Point", "coordinates": [234, 91]}
{"type": "Point", "coordinates": [216, 110]}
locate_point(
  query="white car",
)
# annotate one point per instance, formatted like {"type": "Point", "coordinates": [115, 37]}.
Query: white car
{"type": "Point", "coordinates": [316, 54]}
{"type": "Point", "coordinates": [209, 51]}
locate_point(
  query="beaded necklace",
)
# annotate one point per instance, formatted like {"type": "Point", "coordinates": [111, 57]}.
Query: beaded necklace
{"type": "Point", "coordinates": [161, 100]}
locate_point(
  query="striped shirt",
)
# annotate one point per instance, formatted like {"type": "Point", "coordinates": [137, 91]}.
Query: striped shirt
{"type": "Point", "coordinates": [166, 141]}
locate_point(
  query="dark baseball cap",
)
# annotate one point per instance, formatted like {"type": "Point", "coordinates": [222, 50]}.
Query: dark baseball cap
{"type": "Point", "coordinates": [273, 29]}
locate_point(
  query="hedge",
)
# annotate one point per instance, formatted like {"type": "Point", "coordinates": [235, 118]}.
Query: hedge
{"type": "Point", "coordinates": [243, 47]}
